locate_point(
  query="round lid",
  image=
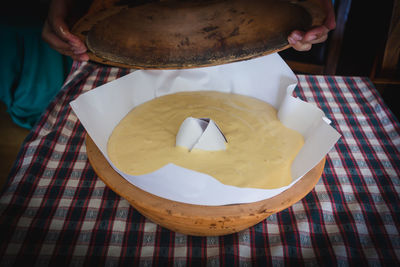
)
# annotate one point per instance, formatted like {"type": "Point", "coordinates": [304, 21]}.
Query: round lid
{"type": "Point", "coordinates": [187, 34]}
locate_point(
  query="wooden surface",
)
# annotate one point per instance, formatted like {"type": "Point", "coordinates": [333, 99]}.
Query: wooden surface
{"type": "Point", "coordinates": [335, 39]}
{"type": "Point", "coordinates": [391, 56]}
{"type": "Point", "coordinates": [386, 69]}
{"type": "Point", "coordinates": [197, 34]}
{"type": "Point", "coordinates": [199, 220]}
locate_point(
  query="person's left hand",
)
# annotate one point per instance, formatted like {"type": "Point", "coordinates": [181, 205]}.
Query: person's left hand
{"type": "Point", "coordinates": [303, 41]}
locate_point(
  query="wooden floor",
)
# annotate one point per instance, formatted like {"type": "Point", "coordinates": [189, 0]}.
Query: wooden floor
{"type": "Point", "coordinates": [11, 138]}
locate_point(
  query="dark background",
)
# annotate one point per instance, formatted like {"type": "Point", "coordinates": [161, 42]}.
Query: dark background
{"type": "Point", "coordinates": [364, 40]}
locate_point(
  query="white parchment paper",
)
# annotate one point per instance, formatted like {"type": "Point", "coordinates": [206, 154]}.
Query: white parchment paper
{"type": "Point", "coordinates": [267, 78]}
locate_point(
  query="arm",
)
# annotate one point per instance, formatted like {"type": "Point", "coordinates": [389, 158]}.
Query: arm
{"type": "Point", "coordinates": [303, 41]}
{"type": "Point", "coordinates": [57, 34]}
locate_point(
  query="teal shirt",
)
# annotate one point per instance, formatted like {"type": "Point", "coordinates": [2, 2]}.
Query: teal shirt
{"type": "Point", "coordinates": [31, 73]}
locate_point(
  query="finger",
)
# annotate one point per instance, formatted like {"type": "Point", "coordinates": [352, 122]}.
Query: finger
{"type": "Point", "coordinates": [75, 40]}
{"type": "Point", "coordinates": [59, 28]}
{"type": "Point", "coordinates": [77, 45]}
{"type": "Point", "coordinates": [320, 39]}
{"type": "Point", "coordinates": [74, 56]}
{"type": "Point", "coordinates": [82, 57]}
{"type": "Point", "coordinates": [66, 50]}
{"type": "Point", "coordinates": [296, 36]}
{"type": "Point", "coordinates": [78, 49]}
{"type": "Point", "coordinates": [300, 46]}
{"type": "Point", "coordinates": [315, 33]}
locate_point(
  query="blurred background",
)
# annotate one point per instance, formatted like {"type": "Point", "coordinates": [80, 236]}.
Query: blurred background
{"type": "Point", "coordinates": [366, 42]}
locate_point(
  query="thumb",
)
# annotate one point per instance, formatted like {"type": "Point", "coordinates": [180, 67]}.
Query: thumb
{"type": "Point", "coordinates": [61, 29]}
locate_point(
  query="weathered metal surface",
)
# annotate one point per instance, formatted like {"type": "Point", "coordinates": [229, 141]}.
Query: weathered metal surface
{"type": "Point", "coordinates": [189, 34]}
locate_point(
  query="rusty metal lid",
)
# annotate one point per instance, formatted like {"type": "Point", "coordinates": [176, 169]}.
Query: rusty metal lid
{"type": "Point", "coordinates": [176, 34]}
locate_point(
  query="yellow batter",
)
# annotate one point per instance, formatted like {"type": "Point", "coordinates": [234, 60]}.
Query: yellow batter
{"type": "Point", "coordinates": [259, 152]}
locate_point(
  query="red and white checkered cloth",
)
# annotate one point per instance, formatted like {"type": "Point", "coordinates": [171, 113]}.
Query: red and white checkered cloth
{"type": "Point", "coordinates": [55, 210]}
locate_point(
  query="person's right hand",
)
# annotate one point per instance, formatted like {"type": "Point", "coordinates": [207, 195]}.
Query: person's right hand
{"type": "Point", "coordinates": [57, 34]}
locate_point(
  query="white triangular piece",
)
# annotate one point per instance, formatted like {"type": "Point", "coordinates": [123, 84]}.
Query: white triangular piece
{"type": "Point", "coordinates": [201, 134]}
{"type": "Point", "coordinates": [189, 133]}
{"type": "Point", "coordinates": [212, 138]}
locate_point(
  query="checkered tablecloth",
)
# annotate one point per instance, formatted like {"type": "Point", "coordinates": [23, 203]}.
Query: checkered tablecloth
{"type": "Point", "coordinates": [56, 211]}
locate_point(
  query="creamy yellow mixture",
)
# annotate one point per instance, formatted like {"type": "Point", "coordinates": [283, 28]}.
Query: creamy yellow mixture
{"type": "Point", "coordinates": [259, 151]}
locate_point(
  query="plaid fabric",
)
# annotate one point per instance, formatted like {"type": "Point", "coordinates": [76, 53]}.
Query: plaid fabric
{"type": "Point", "coordinates": [54, 209]}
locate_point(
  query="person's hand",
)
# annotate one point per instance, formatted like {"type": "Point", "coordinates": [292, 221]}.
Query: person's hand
{"type": "Point", "coordinates": [303, 41]}
{"type": "Point", "coordinates": [57, 34]}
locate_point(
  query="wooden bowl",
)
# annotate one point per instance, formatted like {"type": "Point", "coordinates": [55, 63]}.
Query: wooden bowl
{"type": "Point", "coordinates": [199, 220]}
{"type": "Point", "coordinates": [188, 34]}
